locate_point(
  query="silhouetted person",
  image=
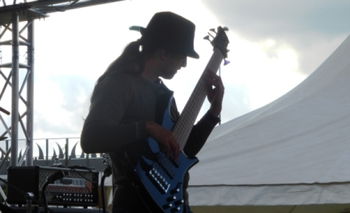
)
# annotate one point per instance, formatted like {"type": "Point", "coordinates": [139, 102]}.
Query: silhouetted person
{"type": "Point", "coordinates": [125, 105]}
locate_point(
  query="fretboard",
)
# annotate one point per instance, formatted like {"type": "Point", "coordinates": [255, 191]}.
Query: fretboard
{"type": "Point", "coordinates": [190, 112]}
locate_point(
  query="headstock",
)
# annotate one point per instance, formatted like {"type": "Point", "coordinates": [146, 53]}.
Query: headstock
{"type": "Point", "coordinates": [219, 39]}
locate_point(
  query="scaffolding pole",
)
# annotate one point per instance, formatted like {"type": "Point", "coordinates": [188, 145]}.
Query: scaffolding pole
{"type": "Point", "coordinates": [15, 95]}
{"type": "Point", "coordinates": [30, 93]}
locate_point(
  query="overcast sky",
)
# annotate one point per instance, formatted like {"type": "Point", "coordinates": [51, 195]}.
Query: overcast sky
{"type": "Point", "coordinates": [274, 45]}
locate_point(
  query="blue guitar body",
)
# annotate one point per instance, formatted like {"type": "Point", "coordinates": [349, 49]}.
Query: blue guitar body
{"type": "Point", "coordinates": [162, 177]}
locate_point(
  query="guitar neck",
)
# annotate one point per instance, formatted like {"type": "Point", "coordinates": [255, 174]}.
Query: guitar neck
{"type": "Point", "coordinates": [190, 112]}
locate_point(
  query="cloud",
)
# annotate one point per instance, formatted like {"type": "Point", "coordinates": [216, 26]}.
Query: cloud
{"type": "Point", "coordinates": [61, 105]}
{"type": "Point", "coordinates": [274, 17]}
{"type": "Point", "coordinates": [313, 28]}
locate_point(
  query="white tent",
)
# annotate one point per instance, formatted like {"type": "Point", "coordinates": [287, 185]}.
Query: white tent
{"type": "Point", "coordinates": [294, 151]}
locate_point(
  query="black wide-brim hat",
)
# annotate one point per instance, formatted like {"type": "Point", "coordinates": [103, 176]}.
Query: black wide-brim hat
{"type": "Point", "coordinates": [172, 32]}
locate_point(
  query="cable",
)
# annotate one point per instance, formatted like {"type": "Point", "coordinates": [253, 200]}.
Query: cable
{"type": "Point", "coordinates": [106, 173]}
{"type": "Point", "coordinates": [51, 179]}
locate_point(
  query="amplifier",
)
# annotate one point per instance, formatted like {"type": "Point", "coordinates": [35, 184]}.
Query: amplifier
{"type": "Point", "coordinates": [71, 187]}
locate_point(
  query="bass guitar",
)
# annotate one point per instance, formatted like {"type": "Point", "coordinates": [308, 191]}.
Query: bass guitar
{"type": "Point", "coordinates": [162, 177]}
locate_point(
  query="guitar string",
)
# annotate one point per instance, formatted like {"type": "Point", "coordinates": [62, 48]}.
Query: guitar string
{"type": "Point", "coordinates": [192, 108]}
{"type": "Point", "coordinates": [191, 111]}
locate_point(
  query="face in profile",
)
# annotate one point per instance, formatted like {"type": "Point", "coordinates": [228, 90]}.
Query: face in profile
{"type": "Point", "coordinates": [171, 64]}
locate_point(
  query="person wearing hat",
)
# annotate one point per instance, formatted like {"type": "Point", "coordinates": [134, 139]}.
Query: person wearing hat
{"type": "Point", "coordinates": [126, 105]}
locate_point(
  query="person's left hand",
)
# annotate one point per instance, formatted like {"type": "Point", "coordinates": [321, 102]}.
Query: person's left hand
{"type": "Point", "coordinates": [215, 92]}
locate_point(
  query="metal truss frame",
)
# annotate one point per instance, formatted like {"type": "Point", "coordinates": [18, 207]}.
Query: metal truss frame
{"type": "Point", "coordinates": [17, 31]}
{"type": "Point", "coordinates": [10, 72]}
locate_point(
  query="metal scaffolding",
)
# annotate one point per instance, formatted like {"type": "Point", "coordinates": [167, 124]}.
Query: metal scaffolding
{"type": "Point", "coordinates": [17, 73]}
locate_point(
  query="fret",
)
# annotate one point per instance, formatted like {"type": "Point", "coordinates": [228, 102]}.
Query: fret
{"type": "Point", "coordinates": [191, 110]}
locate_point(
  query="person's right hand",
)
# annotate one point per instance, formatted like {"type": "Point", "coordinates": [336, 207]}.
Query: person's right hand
{"type": "Point", "coordinates": [165, 138]}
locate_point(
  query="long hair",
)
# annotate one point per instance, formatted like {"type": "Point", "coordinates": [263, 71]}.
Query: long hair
{"type": "Point", "coordinates": [132, 59]}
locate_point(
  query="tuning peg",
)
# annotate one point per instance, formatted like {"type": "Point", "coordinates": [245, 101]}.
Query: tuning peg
{"type": "Point", "coordinates": [211, 35]}
{"type": "Point", "coordinates": [226, 62]}
{"type": "Point", "coordinates": [213, 30]}
{"type": "Point", "coordinates": [135, 28]}
{"type": "Point", "coordinates": [206, 37]}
